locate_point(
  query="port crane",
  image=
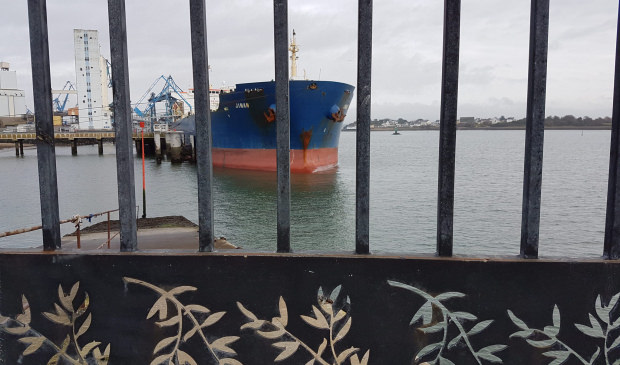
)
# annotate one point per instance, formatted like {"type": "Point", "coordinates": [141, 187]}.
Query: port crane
{"type": "Point", "coordinates": [170, 93]}
{"type": "Point", "coordinates": [60, 103]}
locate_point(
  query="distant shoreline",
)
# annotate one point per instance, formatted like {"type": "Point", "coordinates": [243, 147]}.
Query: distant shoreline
{"type": "Point", "coordinates": [516, 128]}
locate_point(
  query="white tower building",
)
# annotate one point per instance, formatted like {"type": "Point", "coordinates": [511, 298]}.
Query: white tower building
{"type": "Point", "coordinates": [91, 81]}
{"type": "Point", "coordinates": [12, 100]}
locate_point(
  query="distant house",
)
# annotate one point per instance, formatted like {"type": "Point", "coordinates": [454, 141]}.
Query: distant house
{"type": "Point", "coordinates": [467, 120]}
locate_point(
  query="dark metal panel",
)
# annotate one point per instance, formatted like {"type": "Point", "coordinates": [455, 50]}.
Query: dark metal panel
{"type": "Point", "coordinates": [447, 126]}
{"type": "Point", "coordinates": [388, 309]}
{"type": "Point", "coordinates": [46, 156]}
{"type": "Point", "coordinates": [611, 248]}
{"type": "Point", "coordinates": [123, 125]}
{"type": "Point", "coordinates": [535, 128]}
{"type": "Point", "coordinates": [362, 175]}
{"type": "Point", "coordinates": [200, 64]}
{"type": "Point", "coordinates": [283, 127]}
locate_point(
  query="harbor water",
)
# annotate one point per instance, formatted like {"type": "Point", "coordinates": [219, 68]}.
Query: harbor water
{"type": "Point", "coordinates": [487, 208]}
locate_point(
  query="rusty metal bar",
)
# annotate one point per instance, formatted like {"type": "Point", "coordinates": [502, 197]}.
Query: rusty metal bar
{"type": "Point", "coordinates": [535, 128]}
{"type": "Point", "coordinates": [46, 156]}
{"type": "Point", "coordinates": [200, 66]}
{"type": "Point", "coordinates": [77, 233]}
{"type": "Point", "coordinates": [108, 229]}
{"type": "Point", "coordinates": [362, 174]}
{"type": "Point", "coordinates": [611, 246]}
{"type": "Point", "coordinates": [123, 127]}
{"type": "Point", "coordinates": [447, 126]}
{"type": "Point", "coordinates": [280, 25]}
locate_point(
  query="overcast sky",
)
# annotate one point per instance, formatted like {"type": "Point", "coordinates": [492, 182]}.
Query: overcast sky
{"type": "Point", "coordinates": [407, 46]}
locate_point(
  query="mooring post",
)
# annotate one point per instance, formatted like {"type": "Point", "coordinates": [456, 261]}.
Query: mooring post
{"type": "Point", "coordinates": [100, 146]}
{"type": "Point", "coordinates": [74, 147]}
{"type": "Point", "coordinates": [16, 148]}
{"type": "Point", "coordinates": [21, 147]}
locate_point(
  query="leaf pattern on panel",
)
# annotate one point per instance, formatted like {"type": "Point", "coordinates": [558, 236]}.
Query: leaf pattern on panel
{"type": "Point", "coordinates": [460, 321]}
{"type": "Point", "coordinates": [199, 318]}
{"type": "Point", "coordinates": [601, 327]}
{"type": "Point", "coordinates": [66, 315]}
{"type": "Point", "coordinates": [328, 315]}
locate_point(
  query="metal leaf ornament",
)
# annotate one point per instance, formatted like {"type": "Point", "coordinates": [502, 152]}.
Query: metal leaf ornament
{"type": "Point", "coordinates": [188, 321]}
{"type": "Point", "coordinates": [67, 316]}
{"type": "Point", "coordinates": [329, 314]}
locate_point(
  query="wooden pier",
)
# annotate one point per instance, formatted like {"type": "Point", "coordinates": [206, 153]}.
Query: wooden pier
{"type": "Point", "coordinates": [73, 138]}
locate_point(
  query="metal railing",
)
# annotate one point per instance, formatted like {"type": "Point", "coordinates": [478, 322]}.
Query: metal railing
{"type": "Point", "coordinates": [536, 94]}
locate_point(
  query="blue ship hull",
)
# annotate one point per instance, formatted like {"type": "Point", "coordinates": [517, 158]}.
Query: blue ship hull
{"type": "Point", "coordinates": [244, 128]}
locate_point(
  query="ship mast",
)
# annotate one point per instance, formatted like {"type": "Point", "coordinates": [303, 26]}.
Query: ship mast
{"type": "Point", "coordinates": [293, 49]}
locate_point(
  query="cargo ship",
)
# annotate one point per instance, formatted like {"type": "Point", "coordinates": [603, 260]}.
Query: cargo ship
{"type": "Point", "coordinates": [244, 129]}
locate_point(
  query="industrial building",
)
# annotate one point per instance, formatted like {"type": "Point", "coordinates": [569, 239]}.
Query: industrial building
{"type": "Point", "coordinates": [91, 81]}
{"type": "Point", "coordinates": [12, 99]}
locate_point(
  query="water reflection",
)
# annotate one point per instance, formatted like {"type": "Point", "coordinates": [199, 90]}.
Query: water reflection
{"type": "Point", "coordinates": [245, 209]}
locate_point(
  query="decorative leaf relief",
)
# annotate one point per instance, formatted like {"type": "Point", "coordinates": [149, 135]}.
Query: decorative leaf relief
{"type": "Point", "coordinates": [186, 313]}
{"type": "Point", "coordinates": [212, 319]}
{"type": "Point", "coordinates": [356, 361]}
{"type": "Point", "coordinates": [185, 359]}
{"type": "Point", "coordinates": [345, 354]}
{"type": "Point", "coordinates": [196, 308]}
{"type": "Point", "coordinates": [33, 342]}
{"type": "Point", "coordinates": [595, 330]}
{"type": "Point", "coordinates": [323, 319]}
{"type": "Point", "coordinates": [221, 344]}
{"type": "Point", "coordinates": [163, 343]}
{"type": "Point", "coordinates": [84, 327]}
{"type": "Point", "coordinates": [458, 319]}
{"type": "Point", "coordinates": [344, 330]}
{"type": "Point", "coordinates": [70, 351]}
{"type": "Point", "coordinates": [161, 307]}
{"type": "Point", "coordinates": [479, 327]}
{"type": "Point", "coordinates": [289, 348]}
{"type": "Point", "coordinates": [319, 321]}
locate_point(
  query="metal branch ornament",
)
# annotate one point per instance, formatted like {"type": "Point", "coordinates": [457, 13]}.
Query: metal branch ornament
{"type": "Point", "coordinates": [199, 318]}
{"type": "Point", "coordinates": [328, 315]}
{"type": "Point", "coordinates": [66, 315]}
{"type": "Point", "coordinates": [425, 313]}
{"type": "Point", "coordinates": [601, 327]}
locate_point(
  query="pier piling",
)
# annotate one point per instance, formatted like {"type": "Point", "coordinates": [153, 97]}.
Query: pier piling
{"type": "Point", "coordinates": [16, 148]}
{"type": "Point", "coordinates": [176, 145]}
{"type": "Point", "coordinates": [100, 142]}
{"type": "Point", "coordinates": [157, 140]}
{"type": "Point", "coordinates": [21, 147]}
{"type": "Point", "coordinates": [74, 147]}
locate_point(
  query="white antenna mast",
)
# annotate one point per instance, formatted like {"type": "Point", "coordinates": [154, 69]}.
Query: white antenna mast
{"type": "Point", "coordinates": [293, 49]}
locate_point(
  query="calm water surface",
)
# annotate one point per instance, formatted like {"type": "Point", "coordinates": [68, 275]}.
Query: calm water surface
{"type": "Point", "coordinates": [488, 192]}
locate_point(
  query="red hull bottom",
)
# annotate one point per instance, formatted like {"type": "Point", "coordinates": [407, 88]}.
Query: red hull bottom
{"type": "Point", "coordinates": [307, 161]}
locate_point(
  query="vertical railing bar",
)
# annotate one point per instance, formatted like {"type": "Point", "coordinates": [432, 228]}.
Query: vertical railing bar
{"type": "Point", "coordinates": [362, 173]}
{"type": "Point", "coordinates": [123, 126]}
{"type": "Point", "coordinates": [535, 128]}
{"type": "Point", "coordinates": [46, 156]}
{"type": "Point", "coordinates": [200, 64]}
{"type": "Point", "coordinates": [280, 23]}
{"type": "Point", "coordinates": [611, 246]}
{"type": "Point", "coordinates": [447, 126]}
